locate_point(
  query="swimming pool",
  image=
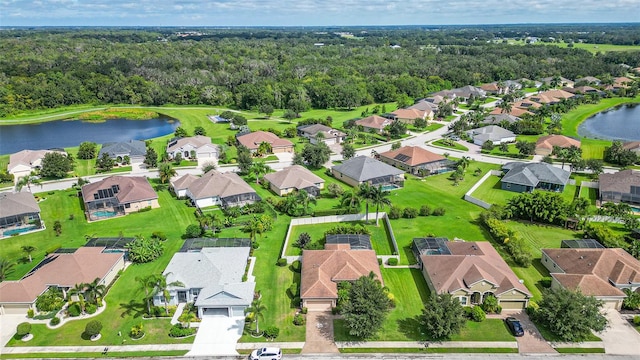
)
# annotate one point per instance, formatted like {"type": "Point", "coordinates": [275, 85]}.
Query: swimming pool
{"type": "Point", "coordinates": [104, 214]}
{"type": "Point", "coordinates": [19, 231]}
{"type": "Point", "coordinates": [389, 187]}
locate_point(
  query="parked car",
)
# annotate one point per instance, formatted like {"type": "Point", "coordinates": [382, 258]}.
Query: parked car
{"type": "Point", "coordinates": [267, 353]}
{"type": "Point", "coordinates": [515, 326]}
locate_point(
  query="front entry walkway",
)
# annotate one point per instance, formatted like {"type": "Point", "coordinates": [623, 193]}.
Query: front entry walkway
{"type": "Point", "coordinates": [217, 335]}
{"type": "Point", "coordinates": [320, 333]}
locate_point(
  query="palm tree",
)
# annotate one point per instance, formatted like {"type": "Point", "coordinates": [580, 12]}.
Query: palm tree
{"type": "Point", "coordinates": [166, 172]}
{"type": "Point", "coordinates": [257, 309]}
{"type": "Point", "coordinates": [6, 268]}
{"type": "Point", "coordinates": [28, 249]}
{"type": "Point", "coordinates": [464, 162]}
{"type": "Point", "coordinates": [264, 148]}
{"type": "Point", "coordinates": [351, 200]}
{"type": "Point", "coordinates": [147, 283]}
{"type": "Point", "coordinates": [258, 169]}
{"type": "Point", "coordinates": [79, 290]}
{"type": "Point", "coordinates": [303, 198]}
{"type": "Point", "coordinates": [162, 287]}
{"type": "Point", "coordinates": [31, 179]}
{"type": "Point", "coordinates": [94, 290]}
{"type": "Point", "coordinates": [364, 191]}
{"type": "Point", "coordinates": [379, 197]}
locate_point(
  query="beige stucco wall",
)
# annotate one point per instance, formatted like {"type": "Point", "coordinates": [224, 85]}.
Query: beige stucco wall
{"type": "Point", "coordinates": [108, 279]}
{"type": "Point", "coordinates": [135, 206]}
{"type": "Point", "coordinates": [509, 295]}
{"type": "Point", "coordinates": [344, 178]}
{"type": "Point", "coordinates": [14, 309]}
{"type": "Point", "coordinates": [283, 149]}
{"type": "Point", "coordinates": [550, 264]}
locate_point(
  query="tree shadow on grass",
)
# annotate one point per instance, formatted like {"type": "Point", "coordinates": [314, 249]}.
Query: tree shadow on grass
{"type": "Point", "coordinates": [133, 308]}
{"type": "Point", "coordinates": [410, 327]}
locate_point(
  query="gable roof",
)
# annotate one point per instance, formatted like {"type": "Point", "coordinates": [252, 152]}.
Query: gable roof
{"type": "Point", "coordinates": [490, 132]}
{"type": "Point", "coordinates": [412, 155]}
{"type": "Point", "coordinates": [631, 145]}
{"type": "Point", "coordinates": [12, 204]}
{"type": "Point", "coordinates": [60, 269]}
{"type": "Point", "coordinates": [469, 263]}
{"type": "Point", "coordinates": [197, 142]}
{"type": "Point", "coordinates": [222, 185]}
{"type": "Point", "coordinates": [599, 270]}
{"type": "Point", "coordinates": [314, 129]}
{"type": "Point", "coordinates": [589, 79]}
{"type": "Point", "coordinates": [363, 168]}
{"type": "Point", "coordinates": [183, 182]}
{"type": "Point", "coordinates": [411, 113]}
{"type": "Point", "coordinates": [131, 148]}
{"type": "Point", "coordinates": [129, 189]}
{"type": "Point", "coordinates": [28, 158]}
{"type": "Point", "coordinates": [427, 105]}
{"type": "Point", "coordinates": [515, 111]}
{"type": "Point", "coordinates": [499, 118]}
{"type": "Point", "coordinates": [253, 140]}
{"type": "Point", "coordinates": [531, 174]}
{"type": "Point", "coordinates": [549, 141]}
{"type": "Point", "coordinates": [323, 269]}
{"type": "Point", "coordinates": [374, 122]}
{"type": "Point", "coordinates": [294, 176]}
{"type": "Point", "coordinates": [621, 182]}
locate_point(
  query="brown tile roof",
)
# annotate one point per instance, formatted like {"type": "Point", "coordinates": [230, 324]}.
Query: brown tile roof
{"type": "Point", "coordinates": [549, 141]}
{"type": "Point", "coordinates": [374, 122]}
{"type": "Point", "coordinates": [515, 111]}
{"type": "Point", "coordinates": [253, 140]}
{"type": "Point", "coordinates": [490, 87]}
{"type": "Point", "coordinates": [184, 181]}
{"type": "Point", "coordinates": [196, 141]}
{"type": "Point", "coordinates": [631, 145]}
{"type": "Point", "coordinates": [622, 81]}
{"type": "Point", "coordinates": [411, 114]}
{"type": "Point", "coordinates": [412, 155]}
{"type": "Point", "coordinates": [64, 270]}
{"type": "Point", "coordinates": [28, 158]}
{"type": "Point", "coordinates": [218, 184]}
{"type": "Point", "coordinates": [295, 176]}
{"type": "Point", "coordinates": [526, 104]}
{"type": "Point", "coordinates": [323, 269]}
{"type": "Point", "coordinates": [17, 203]}
{"type": "Point", "coordinates": [132, 189]}
{"type": "Point", "coordinates": [469, 263]}
{"type": "Point", "coordinates": [584, 265]}
{"type": "Point", "coordinates": [619, 182]}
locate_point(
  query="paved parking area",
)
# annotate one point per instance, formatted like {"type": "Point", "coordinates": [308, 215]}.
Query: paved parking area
{"type": "Point", "coordinates": [620, 338]}
{"type": "Point", "coordinates": [319, 333]}
{"type": "Point", "coordinates": [217, 335]}
{"type": "Point", "coordinates": [532, 342]}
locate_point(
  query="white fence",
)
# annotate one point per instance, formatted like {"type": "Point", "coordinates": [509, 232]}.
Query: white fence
{"type": "Point", "coordinates": [468, 197]}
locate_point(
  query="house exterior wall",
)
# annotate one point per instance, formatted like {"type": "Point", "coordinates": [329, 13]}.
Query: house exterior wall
{"type": "Point", "coordinates": [543, 151]}
{"type": "Point", "coordinates": [515, 187]}
{"type": "Point", "coordinates": [207, 151]}
{"type": "Point", "coordinates": [111, 275]}
{"type": "Point", "coordinates": [344, 178]}
{"type": "Point", "coordinates": [210, 201]}
{"type": "Point", "coordinates": [181, 192]}
{"type": "Point", "coordinates": [283, 149]}
{"type": "Point", "coordinates": [313, 304]}
{"type": "Point", "coordinates": [550, 264]}
{"type": "Point", "coordinates": [136, 206]}
{"type": "Point", "coordinates": [14, 309]}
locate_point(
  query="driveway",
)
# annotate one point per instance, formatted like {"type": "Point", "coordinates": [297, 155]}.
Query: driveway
{"type": "Point", "coordinates": [620, 338]}
{"type": "Point", "coordinates": [217, 335]}
{"type": "Point", "coordinates": [319, 333]}
{"type": "Point", "coordinates": [532, 342]}
{"type": "Point", "coordinates": [8, 324]}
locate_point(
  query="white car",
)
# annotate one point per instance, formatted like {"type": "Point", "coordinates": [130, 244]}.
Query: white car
{"type": "Point", "coordinates": [267, 353]}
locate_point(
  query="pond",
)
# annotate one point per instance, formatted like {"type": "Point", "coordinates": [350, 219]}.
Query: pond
{"type": "Point", "coordinates": [619, 123]}
{"type": "Point", "coordinates": [67, 133]}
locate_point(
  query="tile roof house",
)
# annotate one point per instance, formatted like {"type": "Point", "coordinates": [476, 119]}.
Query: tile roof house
{"type": "Point", "coordinates": [416, 160]}
{"type": "Point", "coordinates": [562, 81]}
{"type": "Point", "coordinates": [429, 104]}
{"type": "Point", "coordinates": [633, 146]}
{"type": "Point", "coordinates": [375, 122]}
{"type": "Point", "coordinates": [588, 80]}
{"type": "Point", "coordinates": [493, 133]}
{"type": "Point", "coordinates": [515, 111]}
{"type": "Point", "coordinates": [118, 195]}
{"type": "Point", "coordinates": [410, 114]}
{"type": "Point", "coordinates": [470, 271]}
{"type": "Point", "coordinates": [253, 140]}
{"type": "Point", "coordinates": [491, 88]}
{"type": "Point", "coordinates": [19, 213]}
{"type": "Point", "coordinates": [215, 188]}
{"type": "Point", "coordinates": [526, 104]}
{"type": "Point", "coordinates": [322, 270]}
{"type": "Point", "coordinates": [134, 149]}
{"type": "Point", "coordinates": [525, 177]}
{"type": "Point", "coordinates": [623, 186]}
{"type": "Point", "coordinates": [212, 279]}
{"type": "Point", "coordinates": [24, 162]}
{"type": "Point", "coordinates": [63, 270]}
{"type": "Point", "coordinates": [621, 82]}
{"type": "Point", "coordinates": [198, 145]}
{"type": "Point", "coordinates": [329, 135]}
{"type": "Point", "coordinates": [361, 169]}
{"type": "Point", "coordinates": [545, 144]}
{"type": "Point", "coordinates": [294, 178]}
{"type": "Point", "coordinates": [551, 97]}
{"type": "Point", "coordinates": [602, 273]}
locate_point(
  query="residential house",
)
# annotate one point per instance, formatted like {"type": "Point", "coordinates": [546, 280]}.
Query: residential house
{"type": "Point", "coordinates": [621, 82]}
{"type": "Point", "coordinates": [584, 90]}
{"type": "Point", "coordinates": [212, 279]}
{"type": "Point", "coordinates": [545, 144]}
{"type": "Point", "coordinates": [429, 105]}
{"type": "Point", "coordinates": [551, 97]}
{"type": "Point", "coordinates": [525, 177]}
{"type": "Point", "coordinates": [61, 270]}
{"type": "Point", "coordinates": [363, 169]}
{"type": "Point", "coordinates": [253, 140]}
{"type": "Point", "coordinates": [328, 135]}
{"type": "Point", "coordinates": [374, 123]}
{"type": "Point", "coordinates": [136, 150]}
{"type": "Point", "coordinates": [193, 147]}
{"type": "Point", "coordinates": [526, 104]}
{"type": "Point", "coordinates": [500, 119]}
{"type": "Point", "coordinates": [118, 196]}
{"type": "Point", "coordinates": [493, 133]}
{"type": "Point", "coordinates": [410, 114]}
{"type": "Point", "coordinates": [469, 271]}
{"type": "Point", "coordinates": [633, 146]}
{"type": "Point", "coordinates": [492, 88]}
{"type": "Point", "coordinates": [562, 82]}
{"type": "Point", "coordinates": [416, 160]}
{"type": "Point", "coordinates": [515, 111]}
{"type": "Point", "coordinates": [215, 188]}
{"type": "Point", "coordinates": [294, 178]}
{"type": "Point", "coordinates": [465, 92]}
{"type": "Point", "coordinates": [19, 213]}
{"type": "Point", "coordinates": [588, 80]}
{"type": "Point", "coordinates": [322, 270]}
{"type": "Point", "coordinates": [623, 186]}
{"type": "Point", "coordinates": [24, 162]}
{"type": "Point", "coordinates": [598, 272]}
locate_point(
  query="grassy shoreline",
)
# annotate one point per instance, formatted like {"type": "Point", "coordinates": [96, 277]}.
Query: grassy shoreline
{"type": "Point", "coordinates": [574, 118]}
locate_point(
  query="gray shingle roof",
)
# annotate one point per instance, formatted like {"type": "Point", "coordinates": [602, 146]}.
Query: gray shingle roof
{"type": "Point", "coordinates": [491, 132]}
{"type": "Point", "coordinates": [498, 118]}
{"type": "Point", "coordinates": [240, 294]}
{"type": "Point", "coordinates": [131, 148]}
{"type": "Point", "coordinates": [363, 168]}
{"type": "Point", "coordinates": [533, 173]}
{"type": "Point", "coordinates": [294, 176]}
{"type": "Point", "coordinates": [17, 203]}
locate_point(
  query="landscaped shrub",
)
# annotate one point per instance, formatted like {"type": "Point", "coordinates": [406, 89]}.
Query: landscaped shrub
{"type": "Point", "coordinates": [636, 320]}
{"type": "Point", "coordinates": [255, 245]}
{"type": "Point", "coordinates": [304, 310]}
{"type": "Point", "coordinates": [30, 313]}
{"type": "Point", "coordinates": [477, 314]}
{"type": "Point", "coordinates": [271, 332]}
{"type": "Point", "coordinates": [142, 250]}
{"type": "Point", "coordinates": [410, 213]}
{"type": "Point", "coordinates": [296, 301]}
{"type": "Point", "coordinates": [394, 213]}
{"type": "Point", "coordinates": [159, 235]}
{"type": "Point", "coordinates": [137, 331]}
{"type": "Point", "coordinates": [392, 261]}
{"type": "Point", "coordinates": [296, 266]}
{"type": "Point", "coordinates": [54, 321]}
{"type": "Point", "coordinates": [90, 309]}
{"type": "Point", "coordinates": [346, 229]}
{"type": "Point", "coordinates": [303, 240]}
{"type": "Point", "coordinates": [193, 231]}
{"type": "Point", "coordinates": [299, 320]}
{"type": "Point", "coordinates": [282, 262]}
{"type": "Point", "coordinates": [467, 311]}
{"type": "Point", "coordinates": [632, 301]}
{"type": "Point", "coordinates": [490, 304]}
{"type": "Point", "coordinates": [23, 329]}
{"type": "Point", "coordinates": [93, 328]}
{"type": "Point", "coordinates": [74, 309]}
{"type": "Point", "coordinates": [425, 210]}
{"type": "Point", "coordinates": [294, 289]}
{"type": "Point", "coordinates": [178, 331]}
{"type": "Point", "coordinates": [379, 261]}
{"type": "Point", "coordinates": [439, 211]}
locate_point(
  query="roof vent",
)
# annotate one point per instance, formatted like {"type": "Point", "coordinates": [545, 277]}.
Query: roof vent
{"type": "Point", "coordinates": [581, 257]}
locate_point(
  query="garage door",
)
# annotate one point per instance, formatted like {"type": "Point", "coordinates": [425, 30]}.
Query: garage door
{"type": "Point", "coordinates": [512, 305]}
{"type": "Point", "coordinates": [15, 309]}
{"type": "Point", "coordinates": [611, 304]}
{"type": "Point", "coordinates": [318, 305]}
{"type": "Point", "coordinates": [216, 312]}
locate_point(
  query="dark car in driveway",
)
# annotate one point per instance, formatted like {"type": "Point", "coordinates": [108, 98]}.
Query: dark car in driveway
{"type": "Point", "coordinates": [515, 326]}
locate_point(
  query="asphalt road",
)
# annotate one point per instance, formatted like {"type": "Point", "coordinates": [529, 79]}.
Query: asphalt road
{"type": "Point", "coordinates": [438, 356]}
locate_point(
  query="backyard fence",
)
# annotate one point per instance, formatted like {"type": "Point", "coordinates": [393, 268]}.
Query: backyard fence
{"type": "Point", "coordinates": [468, 197]}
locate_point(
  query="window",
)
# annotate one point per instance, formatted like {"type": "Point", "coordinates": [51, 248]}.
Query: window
{"type": "Point", "coordinates": [508, 185]}
{"type": "Point", "coordinates": [127, 206]}
{"type": "Point", "coordinates": [463, 300]}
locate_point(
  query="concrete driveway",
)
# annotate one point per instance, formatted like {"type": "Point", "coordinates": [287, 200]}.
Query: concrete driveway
{"type": "Point", "coordinates": [217, 335]}
{"type": "Point", "coordinates": [319, 333]}
{"type": "Point", "coordinates": [8, 324]}
{"type": "Point", "coordinates": [620, 338]}
{"type": "Point", "coordinates": [532, 342]}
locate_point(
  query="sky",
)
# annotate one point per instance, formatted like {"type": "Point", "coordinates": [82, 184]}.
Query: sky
{"type": "Point", "coordinates": [311, 12]}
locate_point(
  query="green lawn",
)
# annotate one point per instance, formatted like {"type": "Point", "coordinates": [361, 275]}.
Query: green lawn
{"type": "Point", "coordinates": [96, 355]}
{"type": "Point", "coordinates": [491, 192]}
{"type": "Point", "coordinates": [430, 350]}
{"type": "Point", "coordinates": [455, 146]}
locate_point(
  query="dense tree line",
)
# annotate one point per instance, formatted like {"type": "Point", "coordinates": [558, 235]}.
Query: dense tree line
{"type": "Point", "coordinates": [266, 69]}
